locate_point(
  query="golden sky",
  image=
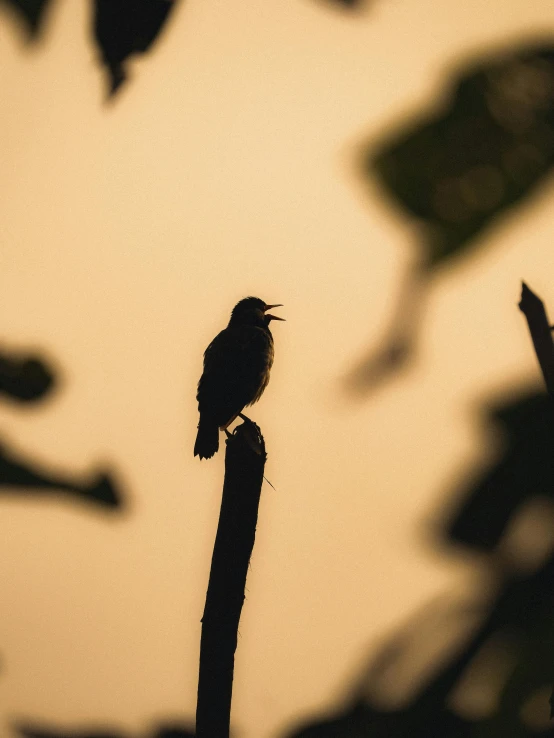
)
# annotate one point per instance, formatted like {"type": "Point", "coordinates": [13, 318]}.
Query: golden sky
{"type": "Point", "coordinates": [226, 168]}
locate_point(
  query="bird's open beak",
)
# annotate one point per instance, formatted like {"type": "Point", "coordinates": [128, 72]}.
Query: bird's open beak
{"type": "Point", "coordinates": [272, 317]}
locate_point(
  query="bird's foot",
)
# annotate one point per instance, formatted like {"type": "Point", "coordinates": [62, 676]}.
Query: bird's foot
{"type": "Point", "coordinates": [251, 435]}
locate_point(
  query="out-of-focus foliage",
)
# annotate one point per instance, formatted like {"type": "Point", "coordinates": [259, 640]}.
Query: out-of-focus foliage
{"type": "Point", "coordinates": [31, 12]}
{"type": "Point", "coordinates": [485, 147]}
{"type": "Point", "coordinates": [29, 379]}
{"type": "Point", "coordinates": [348, 3]}
{"type": "Point", "coordinates": [509, 655]}
{"type": "Point", "coordinates": [25, 477]}
{"type": "Point", "coordinates": [125, 27]}
{"type": "Point", "coordinates": [24, 379]}
{"type": "Point", "coordinates": [524, 470]}
{"type": "Point", "coordinates": [169, 730]}
{"type": "Point", "coordinates": [120, 28]}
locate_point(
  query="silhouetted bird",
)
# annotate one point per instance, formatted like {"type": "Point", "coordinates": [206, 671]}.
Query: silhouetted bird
{"type": "Point", "coordinates": [236, 371]}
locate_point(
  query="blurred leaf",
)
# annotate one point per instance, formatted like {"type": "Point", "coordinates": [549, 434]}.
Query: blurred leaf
{"type": "Point", "coordinates": [524, 470]}
{"type": "Point", "coordinates": [348, 3]}
{"type": "Point", "coordinates": [364, 722]}
{"type": "Point", "coordinates": [518, 620]}
{"type": "Point", "coordinates": [26, 379]}
{"type": "Point", "coordinates": [487, 147]}
{"type": "Point", "coordinates": [31, 13]}
{"type": "Point", "coordinates": [174, 730]}
{"type": "Point", "coordinates": [170, 730]}
{"type": "Point", "coordinates": [509, 653]}
{"type": "Point", "coordinates": [23, 477]}
{"type": "Point", "coordinates": [125, 27]}
{"type": "Point", "coordinates": [33, 732]}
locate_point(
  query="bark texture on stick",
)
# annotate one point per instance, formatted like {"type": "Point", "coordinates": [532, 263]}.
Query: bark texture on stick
{"type": "Point", "coordinates": [533, 308]}
{"type": "Point", "coordinates": [244, 468]}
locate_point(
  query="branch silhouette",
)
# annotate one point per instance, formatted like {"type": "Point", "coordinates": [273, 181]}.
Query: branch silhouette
{"type": "Point", "coordinates": [22, 476]}
{"type": "Point", "coordinates": [533, 308]}
{"type": "Point", "coordinates": [245, 458]}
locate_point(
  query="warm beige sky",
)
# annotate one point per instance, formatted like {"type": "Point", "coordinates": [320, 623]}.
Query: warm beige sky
{"type": "Point", "coordinates": [225, 168]}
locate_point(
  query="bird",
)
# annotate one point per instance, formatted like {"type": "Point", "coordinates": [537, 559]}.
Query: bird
{"type": "Point", "coordinates": [236, 371]}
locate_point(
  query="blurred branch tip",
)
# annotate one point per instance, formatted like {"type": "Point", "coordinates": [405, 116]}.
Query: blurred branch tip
{"type": "Point", "coordinates": [397, 350]}
{"type": "Point", "coordinates": [24, 477]}
{"type": "Point", "coordinates": [540, 329]}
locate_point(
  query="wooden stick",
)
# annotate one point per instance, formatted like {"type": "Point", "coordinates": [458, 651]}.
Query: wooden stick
{"type": "Point", "coordinates": [244, 468]}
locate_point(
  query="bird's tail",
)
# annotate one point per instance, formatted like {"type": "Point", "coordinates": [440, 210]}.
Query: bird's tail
{"type": "Point", "coordinates": [207, 438]}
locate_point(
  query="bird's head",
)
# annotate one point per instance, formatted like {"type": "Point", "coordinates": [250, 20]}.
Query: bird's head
{"type": "Point", "coordinates": [253, 311]}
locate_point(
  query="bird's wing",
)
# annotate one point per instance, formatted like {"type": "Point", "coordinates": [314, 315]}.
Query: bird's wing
{"type": "Point", "coordinates": [235, 367]}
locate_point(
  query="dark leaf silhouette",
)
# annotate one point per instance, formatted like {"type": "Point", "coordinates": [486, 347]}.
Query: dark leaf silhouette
{"type": "Point", "coordinates": [517, 622]}
{"type": "Point", "coordinates": [31, 13]}
{"type": "Point", "coordinates": [487, 148]}
{"type": "Point", "coordinates": [425, 716]}
{"type": "Point", "coordinates": [524, 471]}
{"type": "Point", "coordinates": [125, 27]}
{"type": "Point", "coordinates": [25, 379]}
{"type": "Point", "coordinates": [23, 477]}
{"type": "Point", "coordinates": [484, 148]}
{"type": "Point", "coordinates": [361, 721]}
{"type": "Point", "coordinates": [509, 651]}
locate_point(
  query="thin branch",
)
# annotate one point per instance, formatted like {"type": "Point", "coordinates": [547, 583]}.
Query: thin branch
{"type": "Point", "coordinates": [244, 469]}
{"type": "Point", "coordinates": [533, 308]}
